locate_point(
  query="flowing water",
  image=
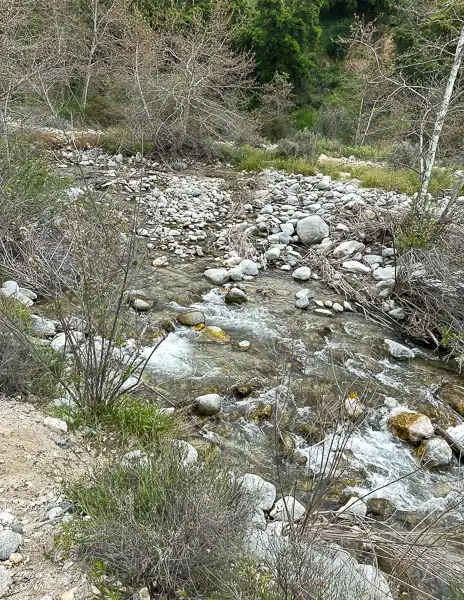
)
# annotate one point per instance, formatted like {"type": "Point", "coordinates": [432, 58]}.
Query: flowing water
{"type": "Point", "coordinates": [301, 365]}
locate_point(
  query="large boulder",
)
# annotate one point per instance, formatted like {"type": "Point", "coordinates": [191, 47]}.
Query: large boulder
{"type": "Point", "coordinates": [410, 426]}
{"type": "Point", "coordinates": [312, 230]}
{"type": "Point", "coordinates": [435, 452]}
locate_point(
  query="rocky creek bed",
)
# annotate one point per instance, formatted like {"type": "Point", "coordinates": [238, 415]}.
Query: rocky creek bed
{"type": "Point", "coordinates": [268, 340]}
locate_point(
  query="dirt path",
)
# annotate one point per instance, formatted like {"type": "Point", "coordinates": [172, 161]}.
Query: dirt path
{"type": "Point", "coordinates": [33, 462]}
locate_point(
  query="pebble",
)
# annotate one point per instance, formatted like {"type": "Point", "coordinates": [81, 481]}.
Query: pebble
{"type": "Point", "coordinates": [302, 274]}
{"type": "Point", "coordinates": [244, 345]}
{"type": "Point", "coordinates": [15, 558]}
{"type": "Point", "coordinates": [302, 302]}
{"type": "Point", "coordinates": [337, 307]}
{"type": "Point", "coordinates": [208, 405]}
{"type": "Point", "coordinates": [324, 312]}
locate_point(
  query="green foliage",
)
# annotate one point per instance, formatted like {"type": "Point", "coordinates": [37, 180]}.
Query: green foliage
{"type": "Point", "coordinates": [159, 523]}
{"type": "Point", "coordinates": [247, 158]}
{"type": "Point", "coordinates": [304, 117]}
{"type": "Point", "coordinates": [128, 419]}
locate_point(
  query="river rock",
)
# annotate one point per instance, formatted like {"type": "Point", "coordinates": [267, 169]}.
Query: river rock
{"type": "Point", "coordinates": [302, 273]}
{"type": "Point", "coordinates": [346, 249]}
{"type": "Point", "coordinates": [287, 509]}
{"type": "Point", "coordinates": [435, 452]}
{"type": "Point", "coordinates": [302, 302]}
{"type": "Point", "coordinates": [384, 273]}
{"type": "Point", "coordinates": [18, 296]}
{"type": "Point", "coordinates": [208, 405]}
{"type": "Point", "coordinates": [262, 493]}
{"type": "Point", "coordinates": [398, 350]}
{"type": "Point", "coordinates": [249, 267]}
{"type": "Point", "coordinates": [272, 254]}
{"type": "Point", "coordinates": [312, 230]}
{"type": "Point", "coordinates": [374, 583]}
{"type": "Point", "coordinates": [453, 395]}
{"type": "Point", "coordinates": [354, 266]}
{"type": "Point", "coordinates": [380, 508]}
{"type": "Point", "coordinates": [6, 582]}
{"type": "Point", "coordinates": [304, 293]}
{"type": "Point", "coordinates": [324, 183]}
{"type": "Point", "coordinates": [235, 296]}
{"type": "Point", "coordinates": [9, 543]}
{"type": "Point", "coordinates": [324, 312]}
{"type": "Point", "coordinates": [410, 426]}
{"type": "Point", "coordinates": [191, 318]}
{"type": "Point", "coordinates": [353, 508]}
{"type": "Point", "coordinates": [217, 276]}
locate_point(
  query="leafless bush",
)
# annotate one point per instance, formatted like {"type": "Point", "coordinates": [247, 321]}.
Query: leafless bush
{"type": "Point", "coordinates": [187, 86]}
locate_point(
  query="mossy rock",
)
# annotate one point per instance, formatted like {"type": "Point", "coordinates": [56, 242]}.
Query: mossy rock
{"type": "Point", "coordinates": [214, 334]}
{"type": "Point", "coordinates": [261, 413]}
{"type": "Point", "coordinates": [453, 395]}
{"type": "Point", "coordinates": [410, 426]}
{"type": "Point", "coordinates": [310, 432]}
{"type": "Point", "coordinates": [287, 445]}
{"type": "Point", "coordinates": [380, 508]}
{"type": "Point", "coordinates": [243, 391]}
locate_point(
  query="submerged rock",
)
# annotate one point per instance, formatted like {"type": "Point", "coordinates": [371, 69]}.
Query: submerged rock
{"type": "Point", "coordinates": [410, 426]}
{"type": "Point", "coordinates": [453, 395]}
{"type": "Point", "coordinates": [235, 296]}
{"type": "Point", "coordinates": [214, 334]}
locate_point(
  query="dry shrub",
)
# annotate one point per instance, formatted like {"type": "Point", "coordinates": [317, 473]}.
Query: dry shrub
{"type": "Point", "coordinates": [187, 85]}
{"type": "Point", "coordinates": [161, 524]}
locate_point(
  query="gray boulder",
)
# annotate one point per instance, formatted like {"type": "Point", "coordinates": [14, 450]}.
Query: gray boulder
{"type": "Point", "coordinates": [191, 318]}
{"type": "Point", "coordinates": [262, 493]}
{"type": "Point", "coordinates": [249, 267]}
{"type": "Point", "coordinates": [312, 230]}
{"type": "Point", "coordinates": [236, 296]}
{"type": "Point", "coordinates": [217, 276]}
{"type": "Point", "coordinates": [208, 405]}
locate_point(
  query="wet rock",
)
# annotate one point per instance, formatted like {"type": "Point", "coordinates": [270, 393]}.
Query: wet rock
{"type": "Point", "coordinates": [312, 230]}
{"type": "Point", "coordinates": [453, 395]}
{"type": "Point", "coordinates": [410, 426]}
{"type": "Point", "coordinates": [214, 334]}
{"type": "Point", "coordinates": [346, 249]}
{"type": "Point", "coordinates": [287, 509]}
{"type": "Point", "coordinates": [9, 543]}
{"type": "Point", "coordinates": [355, 507]}
{"type": "Point", "coordinates": [262, 493]}
{"type": "Point", "coordinates": [398, 350]}
{"type": "Point", "coordinates": [380, 508]}
{"type": "Point", "coordinates": [191, 318]}
{"type": "Point", "coordinates": [302, 274]}
{"type": "Point", "coordinates": [217, 276]}
{"type": "Point", "coordinates": [244, 345]}
{"type": "Point", "coordinates": [236, 274]}
{"type": "Point", "coordinates": [208, 405]}
{"type": "Point", "coordinates": [235, 296]}
{"type": "Point", "coordinates": [435, 452]}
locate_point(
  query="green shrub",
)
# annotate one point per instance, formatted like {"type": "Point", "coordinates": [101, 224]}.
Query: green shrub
{"type": "Point", "coordinates": [304, 117]}
{"type": "Point", "coordinates": [159, 523]}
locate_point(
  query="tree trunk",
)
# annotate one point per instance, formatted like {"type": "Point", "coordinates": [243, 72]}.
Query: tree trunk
{"type": "Point", "coordinates": [432, 152]}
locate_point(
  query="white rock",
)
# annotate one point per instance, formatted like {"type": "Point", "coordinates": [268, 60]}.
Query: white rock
{"type": "Point", "coordinates": [324, 312]}
{"type": "Point", "coordinates": [375, 584]}
{"type": "Point", "coordinates": [304, 293]}
{"type": "Point", "coordinates": [11, 287]}
{"type": "Point", "coordinates": [188, 452]}
{"type": "Point", "coordinates": [353, 508]}
{"type": "Point", "coordinates": [337, 307]}
{"type": "Point", "coordinates": [346, 249]}
{"type": "Point", "coordinates": [312, 230]}
{"type": "Point", "coordinates": [384, 273]}
{"type": "Point", "coordinates": [302, 273]}
{"type": "Point", "coordinates": [6, 518]}
{"type": "Point", "coordinates": [6, 582]}
{"type": "Point", "coordinates": [57, 425]}
{"type": "Point", "coordinates": [249, 267]}
{"type": "Point", "coordinates": [302, 302]}
{"type": "Point", "coordinates": [398, 350]}
{"type": "Point", "coordinates": [436, 452]}
{"type": "Point", "coordinates": [354, 266]}
{"type": "Point", "coordinates": [287, 509]}
{"type": "Point", "coordinates": [272, 254]}
{"type": "Point", "coordinates": [353, 406]}
{"type": "Point", "coordinates": [54, 513]}
{"type": "Point", "coordinates": [347, 306]}
{"type": "Point", "coordinates": [262, 493]}
{"type": "Point", "coordinates": [208, 404]}
{"type": "Point", "coordinates": [217, 276]}
{"type": "Point", "coordinates": [42, 327]}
